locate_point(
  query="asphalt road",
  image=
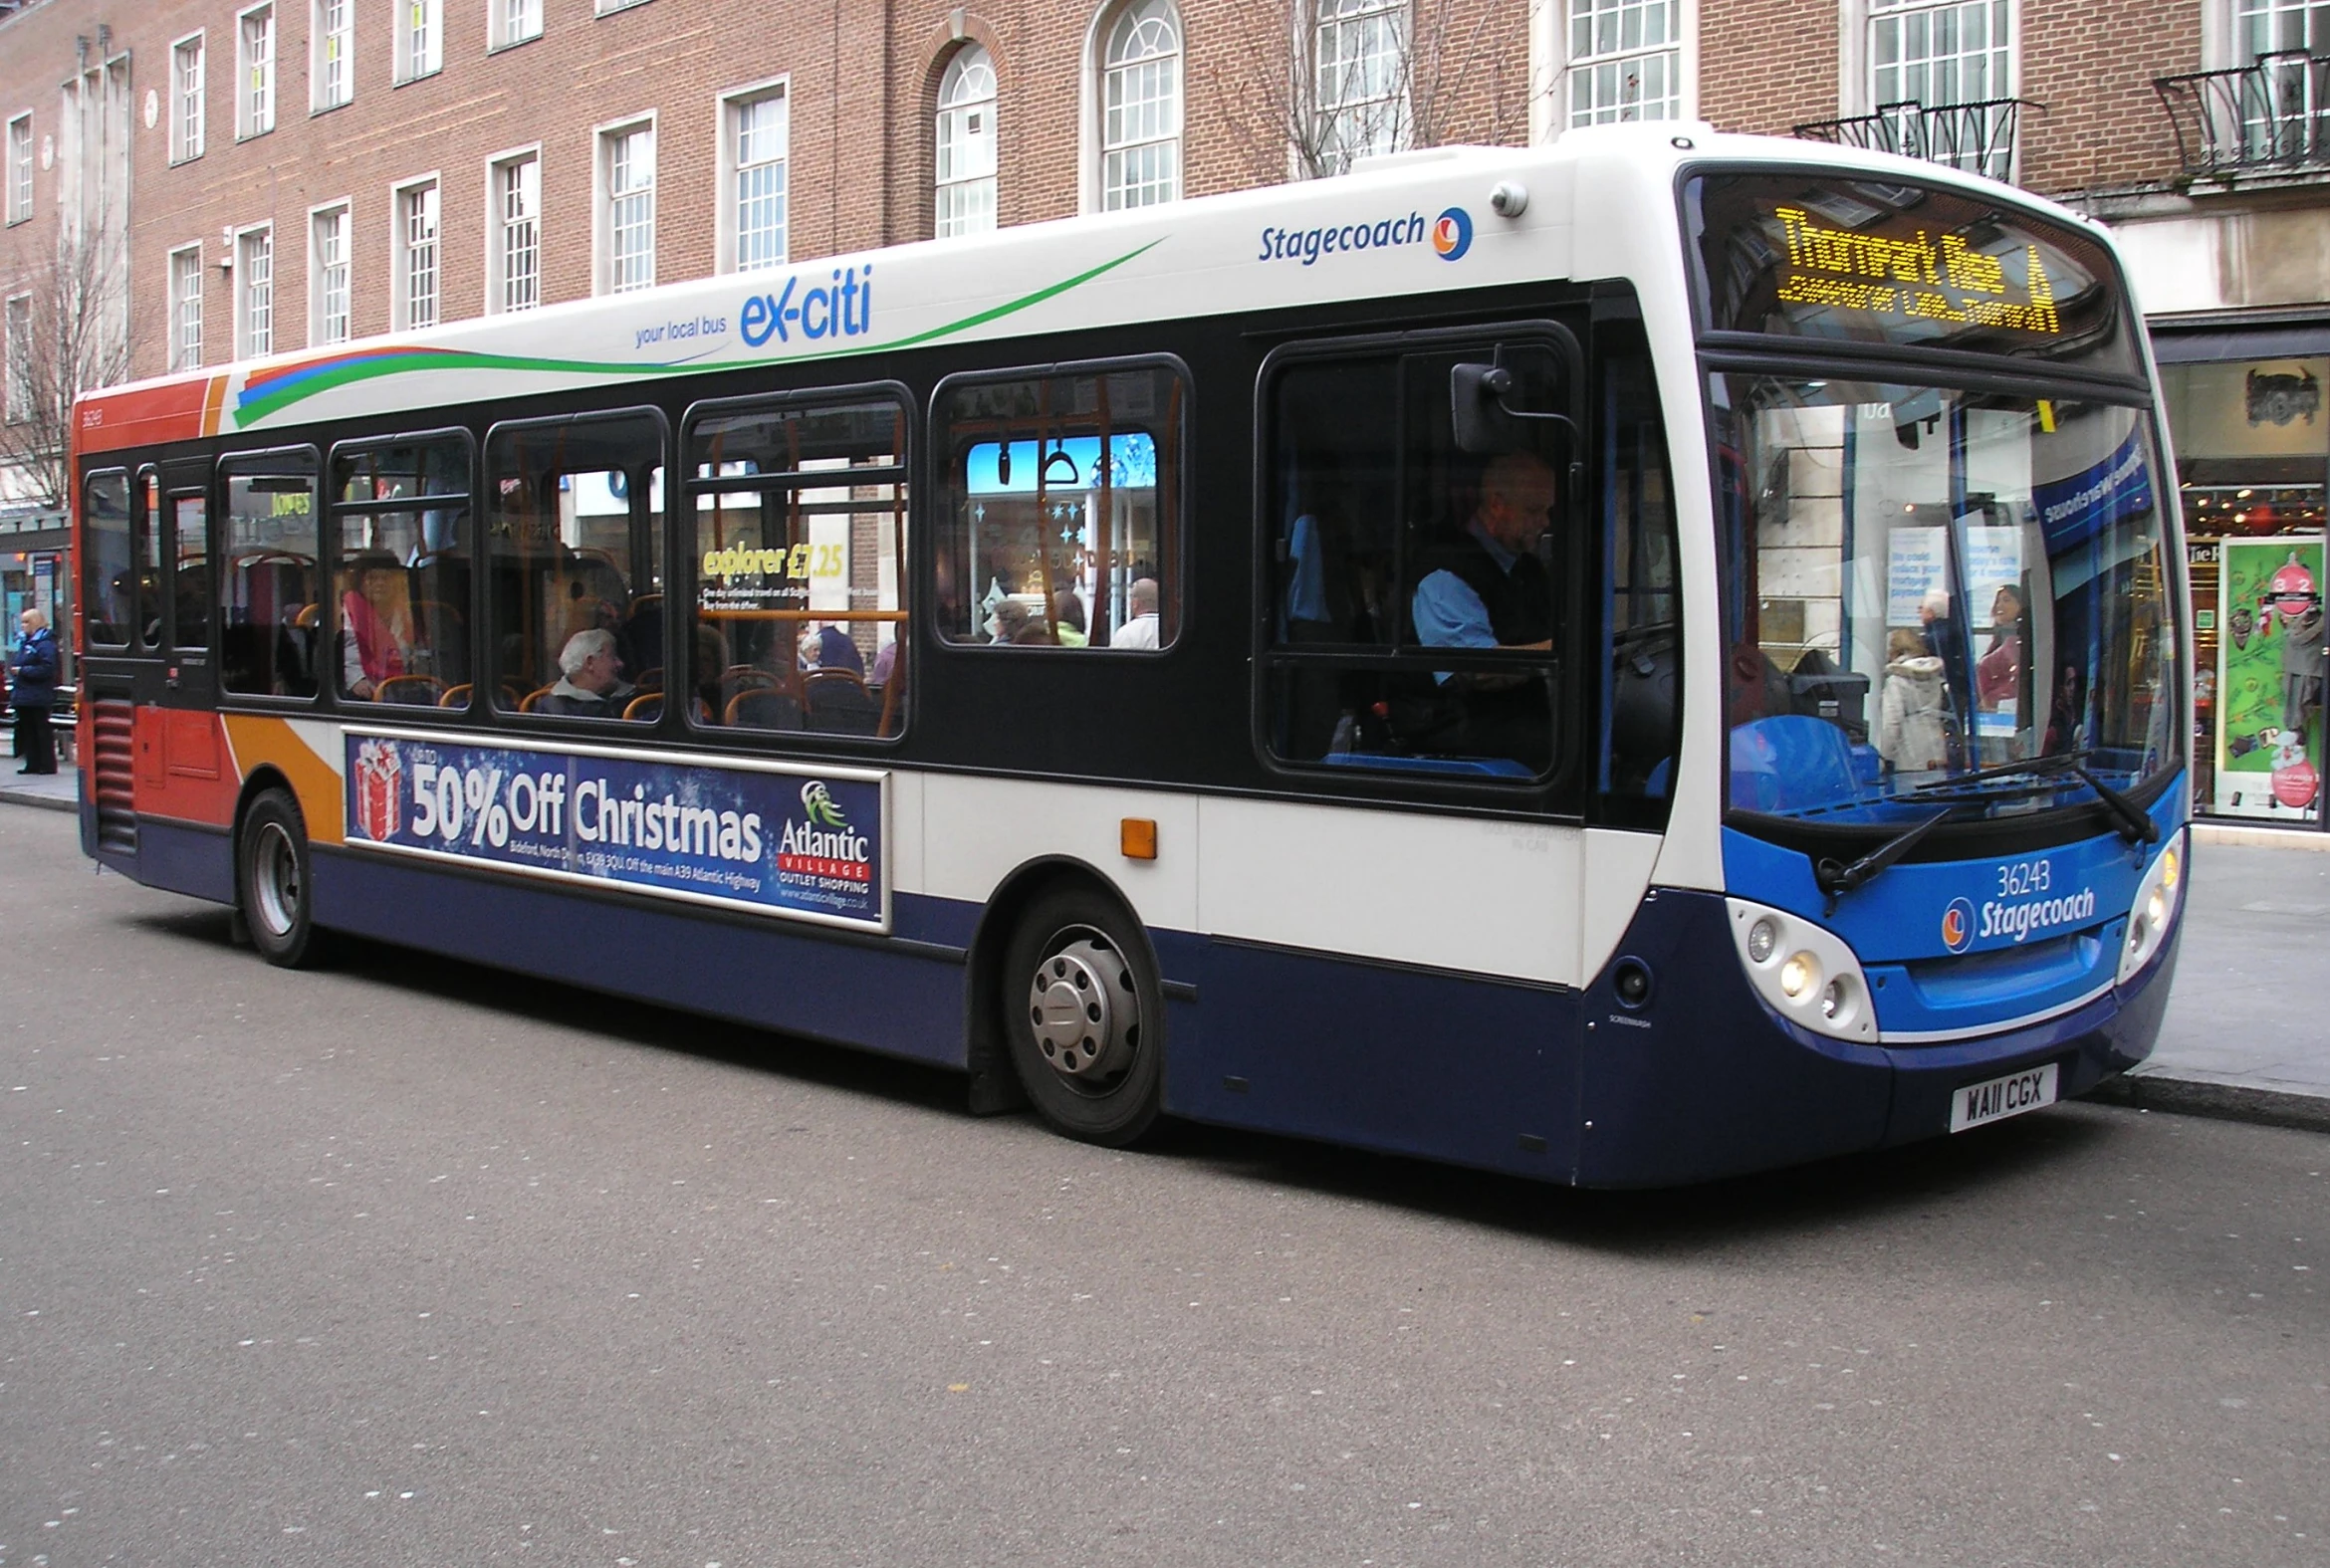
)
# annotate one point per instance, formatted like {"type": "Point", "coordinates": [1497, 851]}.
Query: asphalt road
{"type": "Point", "coordinates": [409, 1263]}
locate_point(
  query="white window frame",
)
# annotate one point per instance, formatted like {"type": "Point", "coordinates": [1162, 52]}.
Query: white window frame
{"type": "Point", "coordinates": [510, 23]}
{"type": "Point", "coordinates": [1391, 110]}
{"type": "Point", "coordinates": [499, 168]}
{"type": "Point", "coordinates": [401, 269]}
{"type": "Point", "coordinates": [189, 102]}
{"type": "Point", "coordinates": [610, 7]}
{"type": "Point", "coordinates": [255, 80]}
{"type": "Point", "coordinates": [950, 129]}
{"type": "Point", "coordinates": [1856, 91]}
{"type": "Point", "coordinates": [1549, 37]}
{"type": "Point", "coordinates": [319, 323]}
{"type": "Point", "coordinates": [420, 39]}
{"type": "Point", "coordinates": [323, 54]}
{"type": "Point", "coordinates": [604, 139]}
{"type": "Point", "coordinates": [1094, 121]}
{"type": "Point", "coordinates": [19, 172]}
{"type": "Point", "coordinates": [729, 225]}
{"type": "Point", "coordinates": [248, 344]}
{"type": "Point", "coordinates": [185, 347]}
{"type": "Point", "coordinates": [16, 393]}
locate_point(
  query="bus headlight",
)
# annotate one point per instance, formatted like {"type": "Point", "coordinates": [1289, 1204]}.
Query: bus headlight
{"type": "Point", "coordinates": [2154, 913]}
{"type": "Point", "coordinates": [1797, 975]}
{"type": "Point", "coordinates": [1805, 973]}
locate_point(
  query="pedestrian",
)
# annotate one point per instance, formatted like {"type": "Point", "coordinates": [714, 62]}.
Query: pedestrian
{"type": "Point", "coordinates": [33, 679]}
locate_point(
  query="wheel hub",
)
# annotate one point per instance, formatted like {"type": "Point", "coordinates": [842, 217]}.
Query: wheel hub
{"type": "Point", "coordinates": [1085, 1014]}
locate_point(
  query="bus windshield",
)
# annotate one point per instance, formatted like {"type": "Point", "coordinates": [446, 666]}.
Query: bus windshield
{"type": "Point", "coordinates": [1939, 598]}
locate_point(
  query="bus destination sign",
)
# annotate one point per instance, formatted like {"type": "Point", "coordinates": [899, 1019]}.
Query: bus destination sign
{"type": "Point", "coordinates": [778, 840]}
{"type": "Point", "coordinates": [1918, 277]}
{"type": "Point", "coordinates": [1819, 256]}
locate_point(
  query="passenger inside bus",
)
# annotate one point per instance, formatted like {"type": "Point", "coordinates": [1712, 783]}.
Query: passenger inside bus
{"type": "Point", "coordinates": [376, 627]}
{"type": "Point", "coordinates": [590, 681]}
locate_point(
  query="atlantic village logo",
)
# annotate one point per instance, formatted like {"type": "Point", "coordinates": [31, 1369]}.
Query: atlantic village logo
{"type": "Point", "coordinates": [1449, 236]}
{"type": "Point", "coordinates": [824, 845]}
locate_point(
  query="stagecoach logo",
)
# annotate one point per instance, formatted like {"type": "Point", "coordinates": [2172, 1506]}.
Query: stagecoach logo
{"type": "Point", "coordinates": [1451, 234]}
{"type": "Point", "coordinates": [379, 800]}
{"type": "Point", "coordinates": [1958, 925]}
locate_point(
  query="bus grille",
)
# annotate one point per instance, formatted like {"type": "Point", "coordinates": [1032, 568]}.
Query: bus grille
{"type": "Point", "coordinates": [116, 724]}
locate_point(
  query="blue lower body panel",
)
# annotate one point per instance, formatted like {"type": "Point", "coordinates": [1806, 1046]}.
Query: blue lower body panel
{"type": "Point", "coordinates": [767, 973]}
{"type": "Point", "coordinates": [185, 858]}
{"type": "Point", "coordinates": [1705, 1082]}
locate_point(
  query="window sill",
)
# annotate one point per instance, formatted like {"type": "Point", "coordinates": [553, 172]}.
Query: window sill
{"type": "Point", "coordinates": [515, 43]}
{"type": "Point", "coordinates": [419, 76]}
{"type": "Point", "coordinates": [613, 7]}
{"type": "Point", "coordinates": [242, 136]}
{"type": "Point", "coordinates": [314, 109]}
{"type": "Point", "coordinates": [177, 163]}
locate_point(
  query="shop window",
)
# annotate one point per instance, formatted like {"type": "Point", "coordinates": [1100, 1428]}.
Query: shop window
{"type": "Point", "coordinates": [2252, 443]}
{"type": "Point", "coordinates": [108, 588]}
{"type": "Point", "coordinates": [270, 617]}
{"type": "Point", "coordinates": [575, 557]}
{"type": "Point", "coordinates": [400, 570]}
{"type": "Point", "coordinates": [800, 546]}
{"type": "Point", "coordinates": [1416, 587]}
{"type": "Point", "coordinates": [1064, 497]}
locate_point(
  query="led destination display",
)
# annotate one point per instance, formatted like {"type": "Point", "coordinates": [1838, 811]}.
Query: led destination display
{"type": "Point", "coordinates": [1809, 257]}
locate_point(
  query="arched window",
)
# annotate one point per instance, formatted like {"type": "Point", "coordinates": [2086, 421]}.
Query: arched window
{"type": "Point", "coordinates": [1140, 117]}
{"type": "Point", "coordinates": [966, 144]}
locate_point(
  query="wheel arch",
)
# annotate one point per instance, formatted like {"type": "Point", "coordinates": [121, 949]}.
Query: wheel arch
{"type": "Point", "coordinates": [994, 1087]}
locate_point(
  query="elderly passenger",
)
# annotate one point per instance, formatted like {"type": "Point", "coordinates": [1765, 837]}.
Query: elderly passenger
{"type": "Point", "coordinates": [590, 681]}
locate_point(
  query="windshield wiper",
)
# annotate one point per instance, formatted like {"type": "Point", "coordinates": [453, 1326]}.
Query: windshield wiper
{"type": "Point", "coordinates": [1836, 879]}
{"type": "Point", "coordinates": [2036, 767]}
{"type": "Point", "coordinates": [2135, 825]}
{"type": "Point", "coordinates": [2129, 819]}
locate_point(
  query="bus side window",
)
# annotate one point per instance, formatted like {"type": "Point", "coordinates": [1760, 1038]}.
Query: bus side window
{"type": "Point", "coordinates": [800, 552]}
{"type": "Point", "coordinates": [270, 610]}
{"type": "Point", "coordinates": [1416, 585]}
{"type": "Point", "coordinates": [574, 553]}
{"type": "Point", "coordinates": [1060, 529]}
{"type": "Point", "coordinates": [107, 589]}
{"type": "Point", "coordinates": [401, 573]}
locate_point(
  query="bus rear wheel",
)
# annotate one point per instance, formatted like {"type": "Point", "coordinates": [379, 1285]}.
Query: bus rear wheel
{"type": "Point", "coordinates": [1084, 1016]}
{"type": "Point", "coordinates": [273, 884]}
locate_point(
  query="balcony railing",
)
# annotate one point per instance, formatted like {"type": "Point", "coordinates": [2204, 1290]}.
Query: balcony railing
{"type": "Point", "coordinates": [2270, 118]}
{"type": "Point", "coordinates": [1976, 137]}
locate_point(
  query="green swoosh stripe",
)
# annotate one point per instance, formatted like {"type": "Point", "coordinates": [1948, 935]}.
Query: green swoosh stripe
{"type": "Point", "coordinates": [250, 411]}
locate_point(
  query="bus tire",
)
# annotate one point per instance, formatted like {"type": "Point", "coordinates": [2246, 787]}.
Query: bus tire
{"type": "Point", "coordinates": [274, 887]}
{"type": "Point", "coordinates": [1085, 1016]}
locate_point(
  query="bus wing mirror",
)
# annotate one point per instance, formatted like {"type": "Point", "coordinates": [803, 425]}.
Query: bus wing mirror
{"type": "Point", "coordinates": [1485, 421]}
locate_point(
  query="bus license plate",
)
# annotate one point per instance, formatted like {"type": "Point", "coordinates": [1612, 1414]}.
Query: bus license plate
{"type": "Point", "coordinates": [2000, 1098]}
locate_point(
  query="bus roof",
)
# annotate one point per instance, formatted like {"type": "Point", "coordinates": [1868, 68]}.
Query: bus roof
{"type": "Point", "coordinates": [1414, 224]}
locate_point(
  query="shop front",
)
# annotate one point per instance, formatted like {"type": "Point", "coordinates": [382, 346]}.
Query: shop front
{"type": "Point", "coordinates": [2252, 446]}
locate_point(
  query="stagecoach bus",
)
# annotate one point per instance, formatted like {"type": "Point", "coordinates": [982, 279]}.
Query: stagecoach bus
{"type": "Point", "coordinates": [1623, 662]}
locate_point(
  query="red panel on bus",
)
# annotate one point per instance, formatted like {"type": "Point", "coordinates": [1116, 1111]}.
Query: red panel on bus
{"type": "Point", "coordinates": [170, 411]}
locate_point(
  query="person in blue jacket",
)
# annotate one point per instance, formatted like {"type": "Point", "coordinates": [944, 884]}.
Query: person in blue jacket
{"type": "Point", "coordinates": [31, 670]}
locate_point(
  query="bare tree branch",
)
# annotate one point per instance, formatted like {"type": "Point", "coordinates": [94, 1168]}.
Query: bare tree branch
{"type": "Point", "coordinates": [68, 334]}
{"type": "Point", "coordinates": [1395, 82]}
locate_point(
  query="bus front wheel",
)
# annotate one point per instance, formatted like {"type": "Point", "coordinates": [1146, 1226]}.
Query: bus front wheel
{"type": "Point", "coordinates": [273, 885]}
{"type": "Point", "coordinates": [1085, 1017]}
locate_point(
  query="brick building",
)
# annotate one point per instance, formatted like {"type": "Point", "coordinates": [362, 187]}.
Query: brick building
{"type": "Point", "coordinates": [240, 176]}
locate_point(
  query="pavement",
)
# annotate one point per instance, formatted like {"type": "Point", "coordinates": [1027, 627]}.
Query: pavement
{"type": "Point", "coordinates": [2248, 1031]}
